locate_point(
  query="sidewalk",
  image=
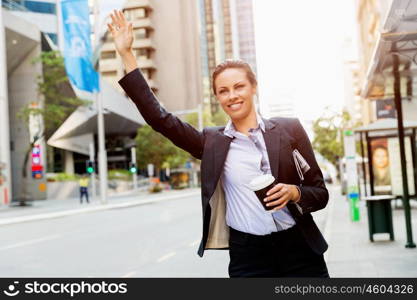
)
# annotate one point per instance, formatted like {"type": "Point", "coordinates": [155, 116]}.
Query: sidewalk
{"type": "Point", "coordinates": [351, 254]}
{"type": "Point", "coordinates": [47, 209]}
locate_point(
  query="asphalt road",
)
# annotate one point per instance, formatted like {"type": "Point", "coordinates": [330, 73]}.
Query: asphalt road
{"type": "Point", "coordinates": [152, 240]}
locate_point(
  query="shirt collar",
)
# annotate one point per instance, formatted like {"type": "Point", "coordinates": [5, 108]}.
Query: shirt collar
{"type": "Point", "coordinates": [230, 129]}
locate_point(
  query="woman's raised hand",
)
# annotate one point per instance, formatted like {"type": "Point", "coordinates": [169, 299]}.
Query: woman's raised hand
{"type": "Point", "coordinates": [122, 32]}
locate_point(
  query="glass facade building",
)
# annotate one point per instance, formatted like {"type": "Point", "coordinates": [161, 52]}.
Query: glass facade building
{"type": "Point", "coordinates": [43, 7]}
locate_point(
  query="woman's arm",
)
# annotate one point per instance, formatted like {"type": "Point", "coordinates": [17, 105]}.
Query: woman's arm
{"type": "Point", "coordinates": [314, 194]}
{"type": "Point", "coordinates": [180, 133]}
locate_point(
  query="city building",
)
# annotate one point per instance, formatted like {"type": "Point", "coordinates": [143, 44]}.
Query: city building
{"type": "Point", "coordinates": [43, 13]}
{"type": "Point", "coordinates": [167, 48]}
{"type": "Point", "coordinates": [375, 63]}
{"type": "Point", "coordinates": [226, 32]}
{"type": "Point", "coordinates": [20, 42]}
{"type": "Point", "coordinates": [243, 25]}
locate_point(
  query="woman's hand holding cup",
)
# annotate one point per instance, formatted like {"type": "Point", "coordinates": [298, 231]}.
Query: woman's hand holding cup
{"type": "Point", "coordinates": [282, 193]}
{"type": "Point", "coordinates": [266, 190]}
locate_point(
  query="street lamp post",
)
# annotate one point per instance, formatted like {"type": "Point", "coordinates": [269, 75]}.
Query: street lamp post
{"type": "Point", "coordinates": [398, 106]}
{"type": "Point", "coordinates": [102, 156]}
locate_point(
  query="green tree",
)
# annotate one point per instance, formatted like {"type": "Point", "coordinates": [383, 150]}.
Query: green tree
{"type": "Point", "coordinates": [53, 104]}
{"type": "Point", "coordinates": [154, 148]}
{"type": "Point", "coordinates": [220, 118]}
{"type": "Point", "coordinates": [328, 134]}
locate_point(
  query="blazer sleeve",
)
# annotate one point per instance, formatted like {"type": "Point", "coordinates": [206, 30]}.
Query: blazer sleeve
{"type": "Point", "coordinates": [180, 133]}
{"type": "Point", "coordinates": [314, 194]}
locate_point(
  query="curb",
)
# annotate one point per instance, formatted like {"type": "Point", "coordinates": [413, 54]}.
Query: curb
{"type": "Point", "coordinates": [53, 215]}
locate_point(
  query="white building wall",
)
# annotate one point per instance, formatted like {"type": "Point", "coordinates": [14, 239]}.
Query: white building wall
{"type": "Point", "coordinates": [22, 89]}
{"type": "Point", "coordinates": [5, 189]}
{"type": "Point", "coordinates": [45, 22]}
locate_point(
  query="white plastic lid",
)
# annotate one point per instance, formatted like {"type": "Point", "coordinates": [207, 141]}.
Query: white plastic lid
{"type": "Point", "coordinates": [261, 182]}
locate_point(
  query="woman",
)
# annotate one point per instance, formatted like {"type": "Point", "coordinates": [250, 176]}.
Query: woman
{"type": "Point", "coordinates": [284, 243]}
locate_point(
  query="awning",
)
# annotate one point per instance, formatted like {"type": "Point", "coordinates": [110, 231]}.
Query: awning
{"type": "Point", "coordinates": [121, 117]}
{"type": "Point", "coordinates": [400, 26]}
{"type": "Point", "coordinates": [385, 124]}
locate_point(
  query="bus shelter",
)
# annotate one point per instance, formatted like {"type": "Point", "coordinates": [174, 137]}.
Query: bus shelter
{"type": "Point", "coordinates": [379, 143]}
{"type": "Point", "coordinates": [385, 172]}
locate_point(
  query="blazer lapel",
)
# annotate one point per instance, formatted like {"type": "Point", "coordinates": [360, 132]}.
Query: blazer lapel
{"type": "Point", "coordinates": [272, 137]}
{"type": "Point", "coordinates": [222, 145]}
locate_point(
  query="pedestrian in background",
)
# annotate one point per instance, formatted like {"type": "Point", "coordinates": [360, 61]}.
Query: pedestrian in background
{"type": "Point", "coordinates": [284, 242]}
{"type": "Point", "coordinates": [84, 182]}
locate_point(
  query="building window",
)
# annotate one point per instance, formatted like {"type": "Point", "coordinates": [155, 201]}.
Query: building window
{"type": "Point", "coordinates": [40, 7]}
{"type": "Point", "coordinates": [147, 73]}
{"type": "Point", "coordinates": [140, 13]}
{"type": "Point", "coordinates": [108, 55]}
{"type": "Point", "coordinates": [142, 53]}
{"type": "Point", "coordinates": [135, 14]}
{"type": "Point", "coordinates": [141, 33]}
{"type": "Point", "coordinates": [53, 37]}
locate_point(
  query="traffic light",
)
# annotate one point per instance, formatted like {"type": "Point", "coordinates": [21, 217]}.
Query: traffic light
{"type": "Point", "coordinates": [90, 166]}
{"type": "Point", "coordinates": [132, 168]}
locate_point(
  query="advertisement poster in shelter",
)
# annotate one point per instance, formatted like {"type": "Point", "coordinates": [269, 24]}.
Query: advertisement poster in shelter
{"type": "Point", "coordinates": [395, 169]}
{"type": "Point", "coordinates": [381, 166]}
{"type": "Point", "coordinates": [386, 166]}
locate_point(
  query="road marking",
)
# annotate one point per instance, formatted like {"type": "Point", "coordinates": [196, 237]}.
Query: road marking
{"type": "Point", "coordinates": [165, 257]}
{"type": "Point", "coordinates": [130, 274]}
{"type": "Point", "coordinates": [30, 242]}
{"type": "Point", "coordinates": [192, 244]}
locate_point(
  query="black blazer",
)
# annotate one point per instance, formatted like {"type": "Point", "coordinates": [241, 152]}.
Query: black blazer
{"type": "Point", "coordinates": [282, 136]}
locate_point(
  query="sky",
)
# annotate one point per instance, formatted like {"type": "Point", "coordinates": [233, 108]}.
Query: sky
{"type": "Point", "coordinates": [300, 52]}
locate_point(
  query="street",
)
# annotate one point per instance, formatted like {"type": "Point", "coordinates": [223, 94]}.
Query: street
{"type": "Point", "coordinates": [152, 240]}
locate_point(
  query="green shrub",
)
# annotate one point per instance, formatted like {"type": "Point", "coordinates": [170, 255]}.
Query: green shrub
{"type": "Point", "coordinates": [119, 174]}
{"type": "Point", "coordinates": [63, 177]}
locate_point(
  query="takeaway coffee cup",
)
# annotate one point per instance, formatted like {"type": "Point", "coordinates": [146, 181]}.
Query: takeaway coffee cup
{"type": "Point", "coordinates": [261, 185]}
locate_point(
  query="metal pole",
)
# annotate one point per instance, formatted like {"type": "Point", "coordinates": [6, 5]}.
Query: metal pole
{"type": "Point", "coordinates": [135, 176]}
{"type": "Point", "coordinates": [363, 164]}
{"type": "Point", "coordinates": [398, 106]}
{"type": "Point", "coordinates": [59, 27]}
{"type": "Point", "coordinates": [93, 175]}
{"type": "Point", "coordinates": [102, 156]}
{"type": "Point", "coordinates": [4, 117]}
{"type": "Point", "coordinates": [370, 164]}
{"type": "Point", "coordinates": [414, 154]}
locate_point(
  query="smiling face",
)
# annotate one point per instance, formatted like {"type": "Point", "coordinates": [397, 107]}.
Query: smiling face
{"type": "Point", "coordinates": [235, 93]}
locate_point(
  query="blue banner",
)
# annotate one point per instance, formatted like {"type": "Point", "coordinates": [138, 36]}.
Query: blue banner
{"type": "Point", "coordinates": [77, 45]}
